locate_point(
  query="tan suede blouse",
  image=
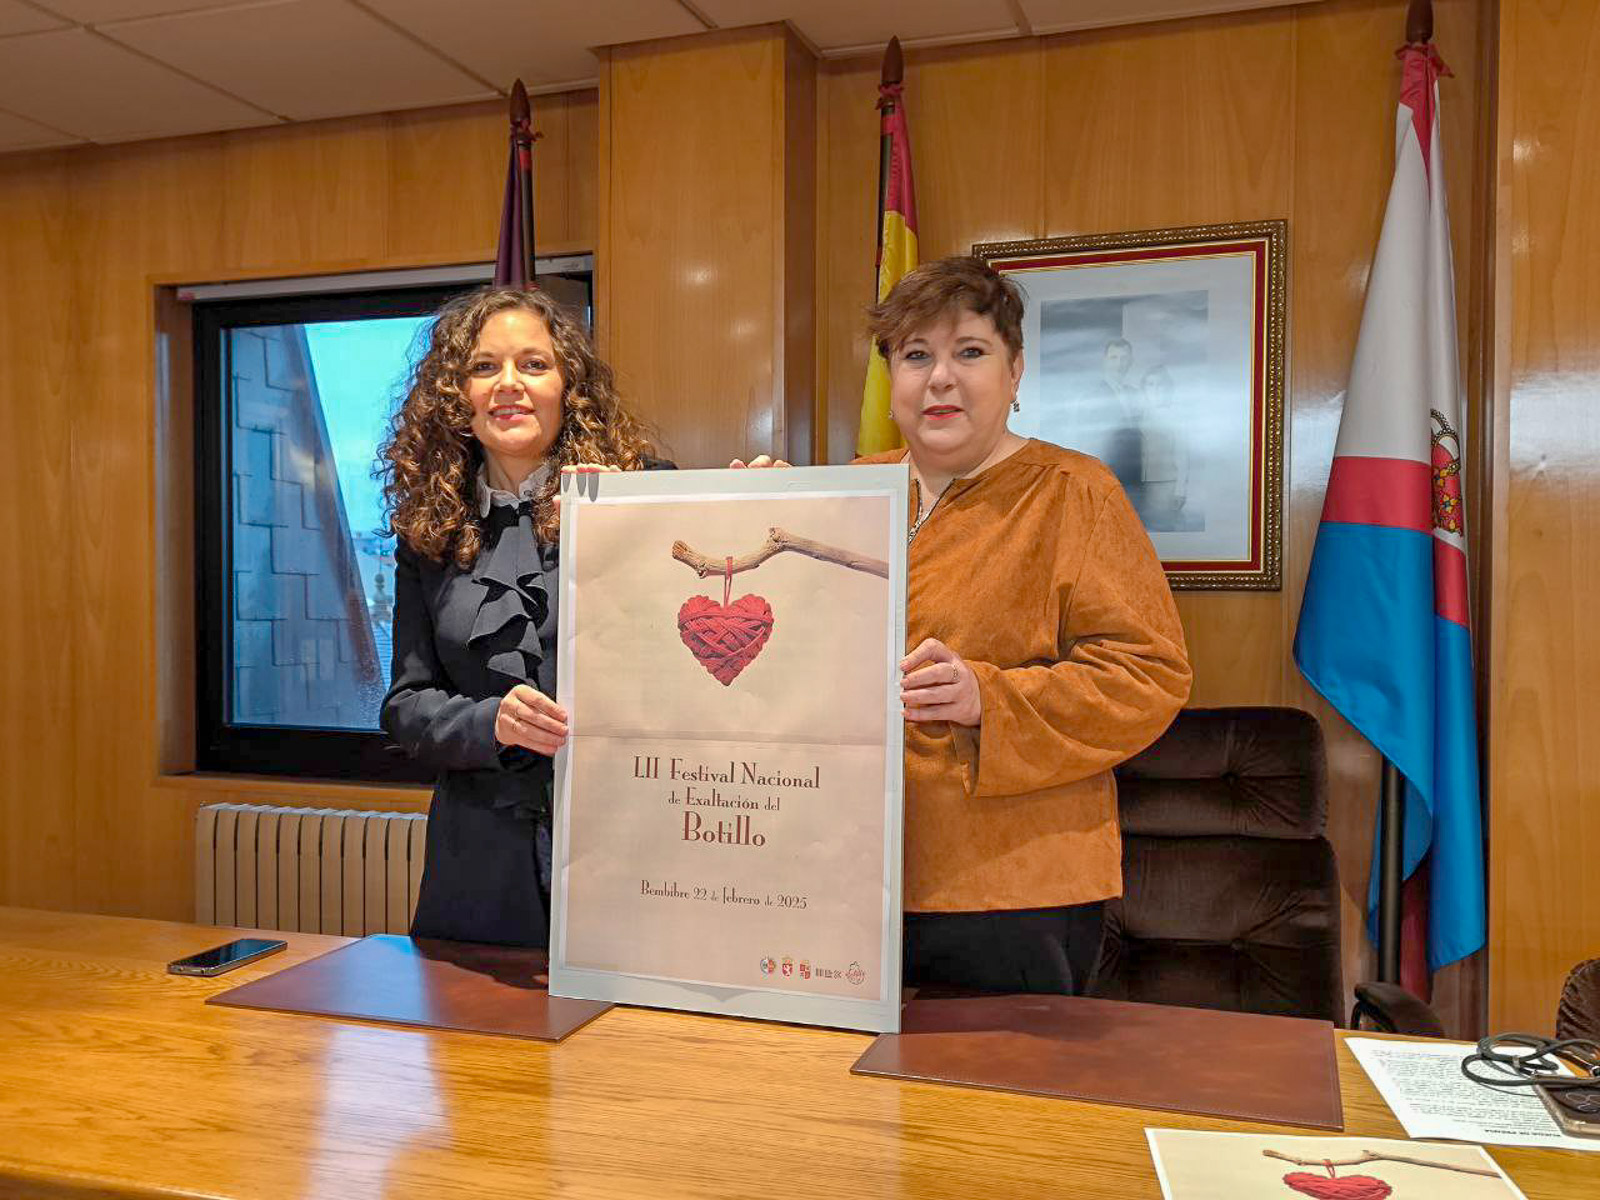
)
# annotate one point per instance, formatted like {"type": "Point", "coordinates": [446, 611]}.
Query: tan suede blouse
{"type": "Point", "coordinates": [1039, 574]}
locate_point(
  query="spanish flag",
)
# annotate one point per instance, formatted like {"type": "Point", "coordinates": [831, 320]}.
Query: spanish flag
{"type": "Point", "coordinates": [897, 246]}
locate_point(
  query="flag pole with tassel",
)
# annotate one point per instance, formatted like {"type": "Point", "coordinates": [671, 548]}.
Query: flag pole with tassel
{"type": "Point", "coordinates": [897, 243]}
{"type": "Point", "coordinates": [1391, 789]}
{"type": "Point", "coordinates": [890, 79]}
{"type": "Point", "coordinates": [514, 261]}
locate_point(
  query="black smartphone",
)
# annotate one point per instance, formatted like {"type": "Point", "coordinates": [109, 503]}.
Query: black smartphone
{"type": "Point", "coordinates": [225, 958]}
{"type": "Point", "coordinates": [1576, 1110]}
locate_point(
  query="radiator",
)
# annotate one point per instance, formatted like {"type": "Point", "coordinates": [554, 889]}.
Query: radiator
{"type": "Point", "coordinates": [315, 870]}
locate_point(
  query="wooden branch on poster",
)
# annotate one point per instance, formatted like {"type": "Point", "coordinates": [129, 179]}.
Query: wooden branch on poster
{"type": "Point", "coordinates": [1368, 1157]}
{"type": "Point", "coordinates": [778, 540]}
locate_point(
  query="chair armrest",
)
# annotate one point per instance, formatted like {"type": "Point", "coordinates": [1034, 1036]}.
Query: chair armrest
{"type": "Point", "coordinates": [1394, 1010]}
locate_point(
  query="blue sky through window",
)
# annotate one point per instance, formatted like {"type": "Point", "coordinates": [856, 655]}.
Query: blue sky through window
{"type": "Point", "coordinates": [361, 369]}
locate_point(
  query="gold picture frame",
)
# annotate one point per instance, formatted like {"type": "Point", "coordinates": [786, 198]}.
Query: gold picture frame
{"type": "Point", "coordinates": [1162, 352]}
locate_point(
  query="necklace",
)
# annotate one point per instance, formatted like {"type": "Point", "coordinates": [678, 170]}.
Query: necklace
{"type": "Point", "coordinates": [922, 517]}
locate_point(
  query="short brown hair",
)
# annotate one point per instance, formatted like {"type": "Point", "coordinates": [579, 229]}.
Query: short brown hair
{"type": "Point", "coordinates": [940, 291]}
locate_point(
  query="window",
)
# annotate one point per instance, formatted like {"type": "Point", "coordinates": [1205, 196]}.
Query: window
{"type": "Point", "coordinates": [294, 394]}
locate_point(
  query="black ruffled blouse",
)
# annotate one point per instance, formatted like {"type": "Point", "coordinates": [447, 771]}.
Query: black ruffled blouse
{"type": "Point", "coordinates": [515, 629]}
{"type": "Point", "coordinates": [462, 640]}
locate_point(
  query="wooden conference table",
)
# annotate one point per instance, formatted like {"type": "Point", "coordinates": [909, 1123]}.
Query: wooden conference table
{"type": "Point", "coordinates": [116, 1079]}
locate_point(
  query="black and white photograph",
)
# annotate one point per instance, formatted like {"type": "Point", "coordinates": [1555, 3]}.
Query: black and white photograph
{"type": "Point", "coordinates": [1160, 354]}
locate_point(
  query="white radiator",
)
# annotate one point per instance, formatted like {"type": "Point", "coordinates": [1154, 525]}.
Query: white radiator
{"type": "Point", "coordinates": [315, 870]}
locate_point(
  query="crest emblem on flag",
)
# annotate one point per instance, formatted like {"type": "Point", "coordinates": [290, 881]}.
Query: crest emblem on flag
{"type": "Point", "coordinates": [1447, 510]}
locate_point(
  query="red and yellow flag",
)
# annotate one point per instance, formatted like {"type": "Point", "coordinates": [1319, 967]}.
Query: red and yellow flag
{"type": "Point", "coordinates": [897, 255]}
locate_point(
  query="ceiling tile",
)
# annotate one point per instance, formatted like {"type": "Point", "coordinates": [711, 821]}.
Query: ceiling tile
{"type": "Point", "coordinates": [1050, 16]}
{"type": "Point", "coordinates": [543, 44]}
{"type": "Point", "coordinates": [18, 134]}
{"type": "Point", "coordinates": [79, 82]}
{"type": "Point", "coordinates": [97, 12]}
{"type": "Point", "coordinates": [304, 59]}
{"type": "Point", "coordinates": [845, 24]}
{"type": "Point", "coordinates": [24, 18]}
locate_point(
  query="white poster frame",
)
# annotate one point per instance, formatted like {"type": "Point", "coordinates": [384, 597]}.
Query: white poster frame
{"type": "Point", "coordinates": [877, 1009]}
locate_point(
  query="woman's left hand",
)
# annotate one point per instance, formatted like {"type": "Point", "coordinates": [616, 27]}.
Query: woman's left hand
{"type": "Point", "coordinates": [759, 461]}
{"type": "Point", "coordinates": [936, 684]}
{"type": "Point", "coordinates": [583, 469]}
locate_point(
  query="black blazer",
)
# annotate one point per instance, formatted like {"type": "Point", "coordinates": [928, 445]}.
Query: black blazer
{"type": "Point", "coordinates": [462, 640]}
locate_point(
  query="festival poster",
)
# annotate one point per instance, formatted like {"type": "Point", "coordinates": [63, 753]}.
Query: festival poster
{"type": "Point", "coordinates": [1194, 1164]}
{"type": "Point", "coordinates": [729, 804]}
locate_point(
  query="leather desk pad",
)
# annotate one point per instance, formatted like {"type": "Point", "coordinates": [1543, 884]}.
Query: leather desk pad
{"type": "Point", "coordinates": [419, 981]}
{"type": "Point", "coordinates": [1244, 1066]}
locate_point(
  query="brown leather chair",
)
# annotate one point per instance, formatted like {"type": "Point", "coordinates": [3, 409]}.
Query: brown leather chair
{"type": "Point", "coordinates": [1230, 890]}
{"type": "Point", "coordinates": [1578, 1015]}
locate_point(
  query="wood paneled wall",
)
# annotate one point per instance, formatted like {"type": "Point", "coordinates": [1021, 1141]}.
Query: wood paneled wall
{"type": "Point", "coordinates": [736, 260]}
{"type": "Point", "coordinates": [87, 820]}
{"type": "Point", "coordinates": [1544, 754]}
{"type": "Point", "coordinates": [1279, 113]}
{"type": "Point", "coordinates": [707, 240]}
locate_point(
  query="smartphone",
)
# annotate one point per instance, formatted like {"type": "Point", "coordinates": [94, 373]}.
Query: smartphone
{"type": "Point", "coordinates": [225, 958]}
{"type": "Point", "coordinates": [1576, 1110]}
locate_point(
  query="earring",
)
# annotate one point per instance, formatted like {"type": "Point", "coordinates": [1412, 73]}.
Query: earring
{"type": "Point", "coordinates": [1016, 404]}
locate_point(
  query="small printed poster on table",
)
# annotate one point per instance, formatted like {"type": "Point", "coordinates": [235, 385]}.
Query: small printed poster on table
{"type": "Point", "coordinates": [728, 816]}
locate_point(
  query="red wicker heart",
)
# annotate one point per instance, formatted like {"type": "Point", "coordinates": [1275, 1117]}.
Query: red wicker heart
{"type": "Point", "coordinates": [725, 638]}
{"type": "Point", "coordinates": [1346, 1187]}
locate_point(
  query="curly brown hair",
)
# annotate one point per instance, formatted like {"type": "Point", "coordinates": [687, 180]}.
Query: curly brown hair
{"type": "Point", "coordinates": [429, 462]}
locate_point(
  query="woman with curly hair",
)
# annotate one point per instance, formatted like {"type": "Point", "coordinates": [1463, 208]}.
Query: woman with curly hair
{"type": "Point", "coordinates": [509, 393]}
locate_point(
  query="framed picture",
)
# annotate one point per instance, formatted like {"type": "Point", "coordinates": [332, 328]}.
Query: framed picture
{"type": "Point", "coordinates": [1161, 353]}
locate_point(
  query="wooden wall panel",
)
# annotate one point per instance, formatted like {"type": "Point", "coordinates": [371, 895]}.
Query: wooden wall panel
{"type": "Point", "coordinates": [308, 193]}
{"type": "Point", "coordinates": [796, 129]}
{"type": "Point", "coordinates": [435, 209]}
{"type": "Point", "coordinates": [43, 367]}
{"type": "Point", "coordinates": [87, 820]}
{"type": "Point", "coordinates": [694, 247]}
{"type": "Point", "coordinates": [581, 169]}
{"type": "Point", "coordinates": [1282, 113]}
{"type": "Point", "coordinates": [1180, 123]}
{"type": "Point", "coordinates": [1545, 761]}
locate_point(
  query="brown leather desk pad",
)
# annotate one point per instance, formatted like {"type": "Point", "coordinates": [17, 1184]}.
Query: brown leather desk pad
{"type": "Point", "coordinates": [418, 981]}
{"type": "Point", "coordinates": [1280, 1070]}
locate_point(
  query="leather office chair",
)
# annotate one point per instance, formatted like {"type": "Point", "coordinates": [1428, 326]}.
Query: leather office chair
{"type": "Point", "coordinates": [1231, 891]}
{"type": "Point", "coordinates": [1392, 1009]}
{"type": "Point", "coordinates": [1579, 1013]}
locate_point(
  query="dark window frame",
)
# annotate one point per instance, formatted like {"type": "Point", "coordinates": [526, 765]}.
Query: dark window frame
{"type": "Point", "coordinates": [221, 746]}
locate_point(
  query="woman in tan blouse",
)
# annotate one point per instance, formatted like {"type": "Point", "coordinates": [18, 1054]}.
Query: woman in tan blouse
{"type": "Point", "coordinates": [1047, 651]}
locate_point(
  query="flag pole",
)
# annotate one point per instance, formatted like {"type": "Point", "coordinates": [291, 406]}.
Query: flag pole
{"type": "Point", "coordinates": [1391, 791]}
{"type": "Point", "coordinates": [522, 137]}
{"type": "Point", "coordinates": [1419, 21]}
{"type": "Point", "coordinates": [893, 73]}
{"type": "Point", "coordinates": [1391, 871]}
{"type": "Point", "coordinates": [896, 250]}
